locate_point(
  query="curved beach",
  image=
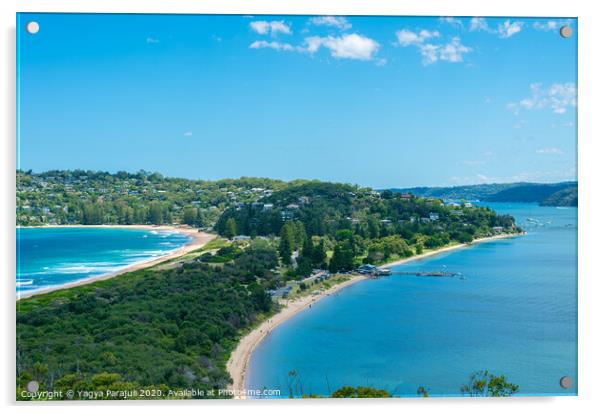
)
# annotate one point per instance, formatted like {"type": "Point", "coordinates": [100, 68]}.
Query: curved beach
{"type": "Point", "coordinates": [239, 359]}
{"type": "Point", "coordinates": [197, 240]}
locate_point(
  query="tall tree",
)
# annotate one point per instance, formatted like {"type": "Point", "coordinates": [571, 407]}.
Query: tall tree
{"type": "Point", "coordinates": [140, 215]}
{"type": "Point", "coordinates": [190, 216]}
{"type": "Point", "coordinates": [287, 242]}
{"type": "Point", "coordinates": [155, 214]}
{"type": "Point", "coordinates": [300, 234]}
{"type": "Point", "coordinates": [319, 254]}
{"type": "Point", "coordinates": [230, 230]}
{"type": "Point", "coordinates": [342, 257]}
{"type": "Point", "coordinates": [373, 227]}
{"type": "Point", "coordinates": [307, 251]}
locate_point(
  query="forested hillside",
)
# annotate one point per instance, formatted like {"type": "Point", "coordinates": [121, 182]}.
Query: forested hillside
{"type": "Point", "coordinates": [92, 197]}
{"type": "Point", "coordinates": [557, 194]}
{"type": "Point", "coordinates": [357, 224]}
{"type": "Point", "coordinates": [173, 327]}
{"type": "Point", "coordinates": [566, 198]}
{"type": "Point", "coordinates": [156, 330]}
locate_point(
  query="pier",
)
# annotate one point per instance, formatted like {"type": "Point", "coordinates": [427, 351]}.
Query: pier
{"type": "Point", "coordinates": [430, 274]}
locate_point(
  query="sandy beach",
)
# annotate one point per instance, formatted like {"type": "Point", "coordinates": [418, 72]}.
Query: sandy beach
{"type": "Point", "coordinates": [198, 240]}
{"type": "Point", "coordinates": [239, 360]}
{"type": "Point", "coordinates": [448, 249]}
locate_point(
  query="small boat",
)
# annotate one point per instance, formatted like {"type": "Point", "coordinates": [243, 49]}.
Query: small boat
{"type": "Point", "coordinates": [383, 272]}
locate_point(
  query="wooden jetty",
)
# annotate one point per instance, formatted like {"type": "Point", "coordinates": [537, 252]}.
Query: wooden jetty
{"type": "Point", "coordinates": [430, 274]}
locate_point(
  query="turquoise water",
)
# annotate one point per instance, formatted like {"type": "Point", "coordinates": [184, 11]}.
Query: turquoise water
{"type": "Point", "coordinates": [514, 313]}
{"type": "Point", "coordinates": [49, 257]}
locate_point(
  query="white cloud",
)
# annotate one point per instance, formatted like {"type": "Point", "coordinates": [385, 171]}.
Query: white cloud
{"type": "Point", "coordinates": [408, 37]}
{"type": "Point", "coordinates": [508, 29]}
{"type": "Point", "coordinates": [312, 44]}
{"type": "Point", "coordinates": [558, 97]}
{"type": "Point", "coordinates": [261, 27]}
{"type": "Point", "coordinates": [550, 150]}
{"type": "Point", "coordinates": [262, 44]}
{"type": "Point", "coordinates": [274, 27]}
{"type": "Point", "coordinates": [454, 21]}
{"type": "Point", "coordinates": [333, 21]}
{"type": "Point", "coordinates": [504, 30]}
{"type": "Point", "coordinates": [349, 46]}
{"type": "Point", "coordinates": [280, 27]}
{"type": "Point", "coordinates": [551, 25]}
{"type": "Point", "coordinates": [453, 51]}
{"type": "Point", "coordinates": [429, 53]}
{"type": "Point", "coordinates": [188, 133]}
{"type": "Point", "coordinates": [152, 40]}
{"type": "Point", "coordinates": [478, 24]}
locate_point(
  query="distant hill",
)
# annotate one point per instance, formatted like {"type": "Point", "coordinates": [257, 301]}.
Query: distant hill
{"type": "Point", "coordinates": [567, 197]}
{"type": "Point", "coordinates": [557, 194]}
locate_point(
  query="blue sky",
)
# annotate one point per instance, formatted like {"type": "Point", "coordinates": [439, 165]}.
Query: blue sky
{"type": "Point", "coordinates": [377, 101]}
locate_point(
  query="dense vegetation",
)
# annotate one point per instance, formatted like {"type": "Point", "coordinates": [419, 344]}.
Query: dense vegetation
{"type": "Point", "coordinates": [90, 197]}
{"type": "Point", "coordinates": [486, 384]}
{"type": "Point", "coordinates": [562, 198]}
{"type": "Point", "coordinates": [360, 392]}
{"type": "Point", "coordinates": [356, 225]}
{"type": "Point", "coordinates": [173, 327]}
{"type": "Point", "coordinates": [558, 194]}
{"type": "Point", "coordinates": [154, 330]}
{"type": "Point", "coordinates": [481, 384]}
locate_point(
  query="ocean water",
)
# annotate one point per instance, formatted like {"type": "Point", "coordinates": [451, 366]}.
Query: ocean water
{"type": "Point", "coordinates": [48, 257]}
{"type": "Point", "coordinates": [513, 312]}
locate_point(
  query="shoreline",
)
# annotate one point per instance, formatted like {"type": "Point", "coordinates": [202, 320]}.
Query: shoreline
{"type": "Point", "coordinates": [197, 240]}
{"type": "Point", "coordinates": [237, 365]}
{"type": "Point", "coordinates": [239, 359]}
{"type": "Point", "coordinates": [449, 249]}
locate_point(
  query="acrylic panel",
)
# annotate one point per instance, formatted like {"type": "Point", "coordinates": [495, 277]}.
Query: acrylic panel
{"type": "Point", "coordinates": [232, 206]}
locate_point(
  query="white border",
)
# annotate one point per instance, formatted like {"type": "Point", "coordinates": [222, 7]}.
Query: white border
{"type": "Point", "coordinates": [340, 7]}
{"type": "Point", "coordinates": [590, 34]}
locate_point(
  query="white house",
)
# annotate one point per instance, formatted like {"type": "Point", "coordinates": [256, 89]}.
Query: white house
{"type": "Point", "coordinates": [241, 238]}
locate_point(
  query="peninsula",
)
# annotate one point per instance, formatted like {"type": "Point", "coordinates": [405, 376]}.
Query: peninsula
{"type": "Point", "coordinates": [262, 255]}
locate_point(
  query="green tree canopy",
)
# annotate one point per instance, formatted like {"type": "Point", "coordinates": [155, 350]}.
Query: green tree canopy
{"type": "Point", "coordinates": [360, 392]}
{"type": "Point", "coordinates": [230, 230]}
{"type": "Point", "coordinates": [485, 384]}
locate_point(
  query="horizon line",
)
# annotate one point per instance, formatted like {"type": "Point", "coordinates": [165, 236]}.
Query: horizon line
{"type": "Point", "coordinates": [296, 179]}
